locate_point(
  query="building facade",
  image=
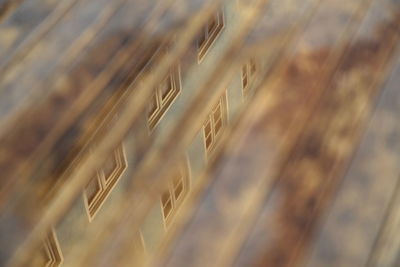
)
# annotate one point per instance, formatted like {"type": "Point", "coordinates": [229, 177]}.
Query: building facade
{"type": "Point", "coordinates": [105, 190]}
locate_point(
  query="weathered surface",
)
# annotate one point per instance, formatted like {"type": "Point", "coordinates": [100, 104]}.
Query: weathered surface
{"type": "Point", "coordinates": [360, 41]}
{"type": "Point", "coordinates": [307, 176]}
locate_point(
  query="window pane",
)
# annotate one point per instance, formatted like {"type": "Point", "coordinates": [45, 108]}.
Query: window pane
{"type": "Point", "coordinates": [178, 191]}
{"type": "Point", "coordinates": [109, 167]}
{"type": "Point", "coordinates": [202, 39]}
{"type": "Point", "coordinates": [167, 208]}
{"type": "Point", "coordinates": [209, 141]}
{"type": "Point", "coordinates": [210, 32]}
{"type": "Point", "coordinates": [92, 189]}
{"type": "Point", "coordinates": [245, 82]}
{"type": "Point", "coordinates": [212, 24]}
{"type": "Point", "coordinates": [207, 128]}
{"type": "Point", "coordinates": [244, 76]}
{"type": "Point", "coordinates": [178, 187]}
{"type": "Point", "coordinates": [166, 87]}
{"type": "Point", "coordinates": [218, 126]}
{"type": "Point", "coordinates": [217, 113]}
{"type": "Point", "coordinates": [153, 106]}
{"type": "Point", "coordinates": [165, 197]}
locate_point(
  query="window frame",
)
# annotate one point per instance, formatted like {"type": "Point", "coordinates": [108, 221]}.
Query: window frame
{"type": "Point", "coordinates": [106, 184]}
{"type": "Point", "coordinates": [183, 169]}
{"type": "Point", "coordinates": [53, 250]}
{"type": "Point", "coordinates": [248, 75]}
{"type": "Point", "coordinates": [210, 36]}
{"type": "Point", "coordinates": [222, 102]}
{"type": "Point", "coordinates": [163, 104]}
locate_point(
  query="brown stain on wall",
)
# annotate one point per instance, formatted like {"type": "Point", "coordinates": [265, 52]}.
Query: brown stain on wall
{"type": "Point", "coordinates": [313, 171]}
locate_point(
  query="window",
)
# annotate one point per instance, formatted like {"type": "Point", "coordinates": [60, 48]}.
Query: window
{"type": "Point", "coordinates": [163, 97]}
{"type": "Point", "coordinates": [51, 255]}
{"type": "Point", "coordinates": [210, 33]}
{"type": "Point", "coordinates": [100, 186]}
{"type": "Point", "coordinates": [172, 199]}
{"type": "Point", "coordinates": [215, 123]}
{"type": "Point", "coordinates": [248, 74]}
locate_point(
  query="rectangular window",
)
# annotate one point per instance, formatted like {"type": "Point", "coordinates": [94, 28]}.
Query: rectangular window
{"type": "Point", "coordinates": [215, 123]}
{"type": "Point", "coordinates": [249, 71]}
{"type": "Point", "coordinates": [100, 186]}
{"type": "Point", "coordinates": [50, 254]}
{"type": "Point", "coordinates": [178, 188]}
{"type": "Point", "coordinates": [163, 97]}
{"type": "Point", "coordinates": [210, 33]}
